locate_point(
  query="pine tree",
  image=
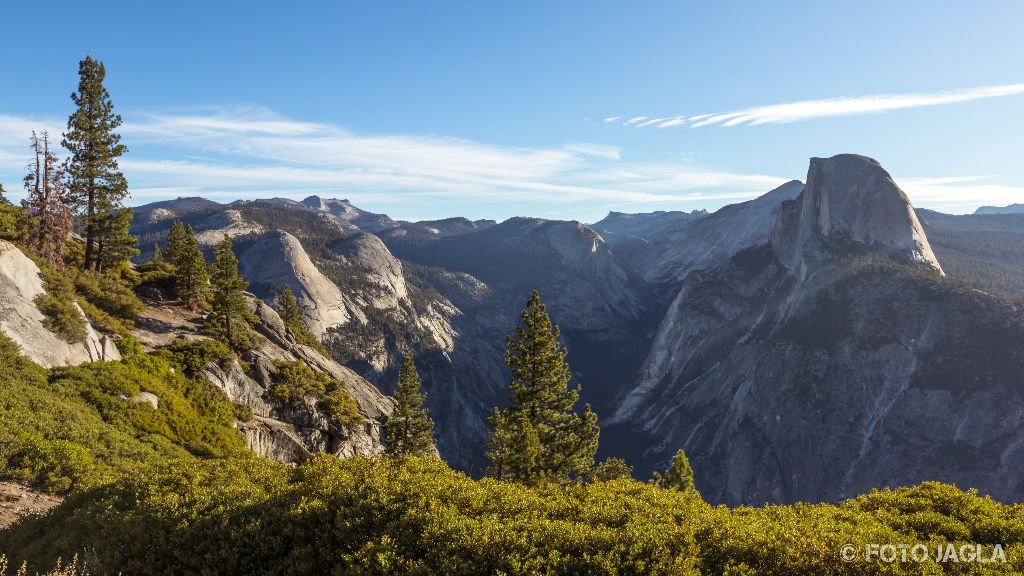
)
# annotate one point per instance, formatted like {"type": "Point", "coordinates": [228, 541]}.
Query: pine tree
{"type": "Point", "coordinates": [114, 243]}
{"type": "Point", "coordinates": [291, 313]}
{"type": "Point", "coordinates": [193, 279]}
{"type": "Point", "coordinates": [409, 430]}
{"type": "Point", "coordinates": [158, 254]}
{"type": "Point", "coordinates": [679, 476]}
{"type": "Point", "coordinates": [540, 437]}
{"type": "Point", "coordinates": [47, 206]}
{"type": "Point", "coordinates": [289, 308]}
{"type": "Point", "coordinates": [177, 243]}
{"type": "Point", "coordinates": [230, 311]}
{"type": "Point", "coordinates": [97, 185]}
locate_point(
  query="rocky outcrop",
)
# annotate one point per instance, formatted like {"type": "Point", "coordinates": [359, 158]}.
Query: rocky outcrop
{"type": "Point", "coordinates": [793, 372]}
{"type": "Point", "coordinates": [426, 229]}
{"type": "Point", "coordinates": [369, 254]}
{"type": "Point", "coordinates": [341, 213]}
{"type": "Point", "coordinates": [293, 433]}
{"type": "Point", "coordinates": [227, 223]}
{"type": "Point", "coordinates": [21, 321]}
{"type": "Point", "coordinates": [277, 258]}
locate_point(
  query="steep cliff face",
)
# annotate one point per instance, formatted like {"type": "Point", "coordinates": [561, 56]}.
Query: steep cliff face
{"type": "Point", "coordinates": [834, 359]}
{"type": "Point", "coordinates": [21, 321]}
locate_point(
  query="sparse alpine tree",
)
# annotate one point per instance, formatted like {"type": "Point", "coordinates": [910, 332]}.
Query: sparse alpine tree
{"type": "Point", "coordinates": [193, 279]}
{"type": "Point", "coordinates": [409, 430]}
{"type": "Point", "coordinates": [291, 313]}
{"type": "Point", "coordinates": [289, 308]}
{"type": "Point", "coordinates": [679, 475]}
{"type": "Point", "coordinates": [47, 204]}
{"type": "Point", "coordinates": [96, 183]}
{"type": "Point", "coordinates": [177, 243]}
{"type": "Point", "coordinates": [230, 314]}
{"type": "Point", "coordinates": [541, 437]}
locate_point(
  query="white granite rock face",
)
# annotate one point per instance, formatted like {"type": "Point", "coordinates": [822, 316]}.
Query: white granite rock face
{"type": "Point", "coordinates": [22, 322]}
{"type": "Point", "coordinates": [851, 197]}
{"type": "Point", "coordinates": [278, 258]}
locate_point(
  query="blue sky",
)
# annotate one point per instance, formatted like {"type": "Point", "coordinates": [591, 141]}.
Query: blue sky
{"type": "Point", "coordinates": [486, 109]}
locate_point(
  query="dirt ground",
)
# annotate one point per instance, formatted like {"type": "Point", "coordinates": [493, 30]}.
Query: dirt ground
{"type": "Point", "coordinates": [164, 321]}
{"type": "Point", "coordinates": [17, 500]}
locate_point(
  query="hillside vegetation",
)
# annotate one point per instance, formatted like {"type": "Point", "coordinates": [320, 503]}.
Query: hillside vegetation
{"type": "Point", "coordinates": [417, 516]}
{"type": "Point", "coordinates": [75, 427]}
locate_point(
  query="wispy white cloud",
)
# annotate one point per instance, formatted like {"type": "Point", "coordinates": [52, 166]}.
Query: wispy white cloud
{"type": "Point", "coordinates": [250, 152]}
{"type": "Point", "coordinates": [834, 107]}
{"type": "Point", "coordinates": [611, 119]}
{"type": "Point", "coordinates": [597, 150]}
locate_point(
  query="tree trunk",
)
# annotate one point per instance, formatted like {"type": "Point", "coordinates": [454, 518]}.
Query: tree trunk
{"type": "Point", "coordinates": [90, 228]}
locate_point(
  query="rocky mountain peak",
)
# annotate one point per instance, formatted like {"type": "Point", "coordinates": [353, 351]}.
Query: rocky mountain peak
{"type": "Point", "coordinates": [851, 197]}
{"type": "Point", "coordinates": [329, 204]}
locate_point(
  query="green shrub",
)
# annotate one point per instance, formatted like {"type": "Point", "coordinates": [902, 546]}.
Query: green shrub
{"type": "Point", "coordinates": [194, 355]}
{"type": "Point", "coordinates": [12, 222]}
{"type": "Point", "coordinates": [295, 380]}
{"type": "Point", "coordinates": [112, 292]}
{"type": "Point", "coordinates": [73, 427]}
{"type": "Point", "coordinates": [157, 273]}
{"type": "Point", "coordinates": [57, 305]}
{"type": "Point", "coordinates": [243, 412]}
{"type": "Point", "coordinates": [55, 465]}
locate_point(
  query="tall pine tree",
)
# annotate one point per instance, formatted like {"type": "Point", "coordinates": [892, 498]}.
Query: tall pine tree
{"type": "Point", "coordinates": [409, 430]}
{"type": "Point", "coordinates": [230, 316]}
{"type": "Point", "coordinates": [177, 243]}
{"type": "Point", "coordinates": [193, 279]}
{"type": "Point", "coordinates": [96, 183]}
{"type": "Point", "coordinates": [540, 437]}
{"type": "Point", "coordinates": [47, 204]}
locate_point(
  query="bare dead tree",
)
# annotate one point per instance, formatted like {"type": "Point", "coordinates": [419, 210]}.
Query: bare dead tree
{"type": "Point", "coordinates": [47, 204]}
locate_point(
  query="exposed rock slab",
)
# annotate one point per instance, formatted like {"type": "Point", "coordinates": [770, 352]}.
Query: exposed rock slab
{"type": "Point", "coordinates": [21, 321]}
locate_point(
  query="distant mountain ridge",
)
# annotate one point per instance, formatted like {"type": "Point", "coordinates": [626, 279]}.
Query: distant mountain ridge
{"type": "Point", "coordinates": [1011, 209]}
{"type": "Point", "coordinates": [650, 305]}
